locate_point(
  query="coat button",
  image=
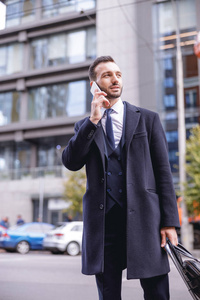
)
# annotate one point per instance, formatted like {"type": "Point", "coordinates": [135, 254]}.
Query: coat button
{"type": "Point", "coordinates": [102, 180]}
{"type": "Point", "coordinates": [101, 206]}
{"type": "Point", "coordinates": [109, 173]}
{"type": "Point", "coordinates": [90, 134]}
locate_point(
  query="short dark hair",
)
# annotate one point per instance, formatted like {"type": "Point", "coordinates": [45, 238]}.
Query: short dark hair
{"type": "Point", "coordinates": [98, 60]}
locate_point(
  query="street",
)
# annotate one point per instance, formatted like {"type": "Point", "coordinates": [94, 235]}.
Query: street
{"type": "Point", "coordinates": [43, 276]}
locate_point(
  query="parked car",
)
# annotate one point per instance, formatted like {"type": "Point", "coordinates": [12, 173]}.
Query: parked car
{"type": "Point", "coordinates": [22, 238]}
{"type": "Point", "coordinates": [2, 230]}
{"type": "Point", "coordinates": [65, 238]}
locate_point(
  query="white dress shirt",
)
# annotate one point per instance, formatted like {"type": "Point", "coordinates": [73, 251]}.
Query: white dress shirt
{"type": "Point", "coordinates": [117, 116]}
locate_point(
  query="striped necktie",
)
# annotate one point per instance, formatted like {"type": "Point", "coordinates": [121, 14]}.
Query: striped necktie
{"type": "Point", "coordinates": [109, 128]}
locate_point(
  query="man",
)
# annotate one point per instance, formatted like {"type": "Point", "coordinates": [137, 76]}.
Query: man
{"type": "Point", "coordinates": [5, 222]}
{"type": "Point", "coordinates": [129, 208]}
{"type": "Point", "coordinates": [19, 221]}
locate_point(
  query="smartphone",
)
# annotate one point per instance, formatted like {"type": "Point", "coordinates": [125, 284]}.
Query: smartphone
{"type": "Point", "coordinates": [94, 87]}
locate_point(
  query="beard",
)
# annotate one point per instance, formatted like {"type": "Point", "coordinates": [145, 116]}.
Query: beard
{"type": "Point", "coordinates": [111, 94]}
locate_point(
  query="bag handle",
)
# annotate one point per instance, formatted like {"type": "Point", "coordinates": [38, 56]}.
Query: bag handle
{"type": "Point", "coordinates": [180, 249]}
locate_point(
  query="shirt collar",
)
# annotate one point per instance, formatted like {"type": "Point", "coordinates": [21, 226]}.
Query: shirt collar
{"type": "Point", "coordinates": [117, 107]}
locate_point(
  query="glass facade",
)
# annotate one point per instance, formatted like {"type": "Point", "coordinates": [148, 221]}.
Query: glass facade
{"type": "Point", "coordinates": [55, 7]}
{"type": "Point", "coordinates": [9, 108]}
{"type": "Point", "coordinates": [165, 58]}
{"type": "Point", "coordinates": [11, 58]}
{"type": "Point", "coordinates": [24, 11]}
{"type": "Point", "coordinates": [19, 12]}
{"type": "Point", "coordinates": [67, 99]}
{"type": "Point", "coordinates": [15, 156]}
{"type": "Point", "coordinates": [33, 158]}
{"type": "Point", "coordinates": [65, 48]}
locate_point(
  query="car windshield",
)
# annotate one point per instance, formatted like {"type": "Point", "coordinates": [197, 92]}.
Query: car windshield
{"type": "Point", "coordinates": [15, 227]}
{"type": "Point", "coordinates": [61, 226]}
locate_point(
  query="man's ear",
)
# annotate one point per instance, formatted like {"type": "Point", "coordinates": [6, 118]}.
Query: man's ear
{"type": "Point", "coordinates": [91, 82]}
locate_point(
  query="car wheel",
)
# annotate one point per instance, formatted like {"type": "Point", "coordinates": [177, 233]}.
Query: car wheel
{"type": "Point", "coordinates": [73, 249]}
{"type": "Point", "coordinates": [23, 247]}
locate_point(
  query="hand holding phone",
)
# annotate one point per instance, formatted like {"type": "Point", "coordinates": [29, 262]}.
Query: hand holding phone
{"type": "Point", "coordinates": [94, 87]}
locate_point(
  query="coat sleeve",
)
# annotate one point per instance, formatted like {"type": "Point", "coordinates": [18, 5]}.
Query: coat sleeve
{"type": "Point", "coordinates": [163, 176]}
{"type": "Point", "coordinates": [74, 156]}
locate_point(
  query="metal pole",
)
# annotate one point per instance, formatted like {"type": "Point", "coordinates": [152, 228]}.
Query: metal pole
{"type": "Point", "coordinates": [41, 199]}
{"type": "Point", "coordinates": [185, 232]}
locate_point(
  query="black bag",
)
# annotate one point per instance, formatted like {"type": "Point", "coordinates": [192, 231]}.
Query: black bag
{"type": "Point", "coordinates": [188, 269]}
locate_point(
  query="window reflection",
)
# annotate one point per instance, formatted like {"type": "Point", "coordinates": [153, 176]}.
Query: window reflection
{"type": "Point", "coordinates": [9, 107]}
{"type": "Point", "coordinates": [11, 58]}
{"type": "Point", "coordinates": [166, 85]}
{"type": "Point", "coordinates": [68, 99]}
{"type": "Point", "coordinates": [72, 47]}
{"type": "Point", "coordinates": [19, 12]}
{"type": "Point", "coordinates": [56, 7]}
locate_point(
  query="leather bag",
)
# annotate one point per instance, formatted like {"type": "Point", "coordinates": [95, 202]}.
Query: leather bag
{"type": "Point", "coordinates": [189, 269]}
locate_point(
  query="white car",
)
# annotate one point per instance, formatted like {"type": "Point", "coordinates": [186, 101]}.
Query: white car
{"type": "Point", "coordinates": [65, 238]}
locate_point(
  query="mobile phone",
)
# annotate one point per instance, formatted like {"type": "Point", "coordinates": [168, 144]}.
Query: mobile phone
{"type": "Point", "coordinates": [94, 87]}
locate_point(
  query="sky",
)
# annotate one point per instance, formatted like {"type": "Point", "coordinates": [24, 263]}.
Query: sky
{"type": "Point", "coordinates": [2, 15]}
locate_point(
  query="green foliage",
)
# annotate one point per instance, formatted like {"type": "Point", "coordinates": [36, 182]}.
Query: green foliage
{"type": "Point", "coordinates": [192, 186]}
{"type": "Point", "coordinates": [74, 189]}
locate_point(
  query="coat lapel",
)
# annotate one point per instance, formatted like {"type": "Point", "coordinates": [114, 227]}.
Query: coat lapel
{"type": "Point", "coordinates": [100, 143]}
{"type": "Point", "coordinates": [132, 119]}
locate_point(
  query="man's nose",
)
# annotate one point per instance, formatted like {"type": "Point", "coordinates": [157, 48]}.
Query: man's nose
{"type": "Point", "coordinates": [115, 79]}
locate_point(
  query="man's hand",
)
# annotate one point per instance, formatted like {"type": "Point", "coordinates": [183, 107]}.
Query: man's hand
{"type": "Point", "coordinates": [170, 233]}
{"type": "Point", "coordinates": [98, 102]}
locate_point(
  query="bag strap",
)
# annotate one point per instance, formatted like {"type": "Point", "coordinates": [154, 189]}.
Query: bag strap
{"type": "Point", "coordinates": [180, 249]}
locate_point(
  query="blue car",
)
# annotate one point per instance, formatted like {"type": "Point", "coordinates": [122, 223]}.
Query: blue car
{"type": "Point", "coordinates": [23, 238]}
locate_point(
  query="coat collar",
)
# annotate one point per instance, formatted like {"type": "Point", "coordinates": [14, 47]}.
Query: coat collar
{"type": "Point", "coordinates": [132, 119]}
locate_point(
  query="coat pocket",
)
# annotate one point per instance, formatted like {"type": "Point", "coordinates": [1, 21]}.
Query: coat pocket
{"type": "Point", "coordinates": [140, 135]}
{"type": "Point", "coordinates": [152, 190]}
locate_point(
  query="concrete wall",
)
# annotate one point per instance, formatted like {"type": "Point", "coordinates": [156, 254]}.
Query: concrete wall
{"type": "Point", "coordinates": [116, 37]}
{"type": "Point", "coordinates": [17, 195]}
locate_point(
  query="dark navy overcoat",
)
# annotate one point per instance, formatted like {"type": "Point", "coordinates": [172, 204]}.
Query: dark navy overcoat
{"type": "Point", "coordinates": [151, 201]}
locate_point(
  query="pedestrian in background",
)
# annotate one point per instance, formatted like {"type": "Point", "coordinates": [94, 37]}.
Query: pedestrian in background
{"type": "Point", "coordinates": [5, 222]}
{"type": "Point", "coordinates": [129, 208]}
{"type": "Point", "coordinates": [19, 221]}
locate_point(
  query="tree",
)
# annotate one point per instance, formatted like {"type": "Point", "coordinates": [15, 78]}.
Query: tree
{"type": "Point", "coordinates": [74, 188]}
{"type": "Point", "coordinates": [192, 186]}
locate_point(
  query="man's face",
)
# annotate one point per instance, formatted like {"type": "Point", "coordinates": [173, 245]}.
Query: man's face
{"type": "Point", "coordinates": [109, 79]}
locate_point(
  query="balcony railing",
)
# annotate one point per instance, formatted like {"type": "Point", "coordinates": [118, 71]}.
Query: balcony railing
{"type": "Point", "coordinates": [32, 173]}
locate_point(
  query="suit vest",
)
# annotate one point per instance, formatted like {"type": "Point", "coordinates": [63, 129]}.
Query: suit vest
{"type": "Point", "coordinates": [115, 173]}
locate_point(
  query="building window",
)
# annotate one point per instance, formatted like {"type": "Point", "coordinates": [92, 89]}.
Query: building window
{"type": "Point", "coordinates": [55, 7]}
{"type": "Point", "coordinates": [19, 12]}
{"type": "Point", "coordinates": [169, 82]}
{"type": "Point", "coordinates": [191, 98]}
{"type": "Point", "coordinates": [53, 101]}
{"type": "Point", "coordinates": [170, 101]}
{"type": "Point", "coordinates": [9, 107]}
{"type": "Point", "coordinates": [11, 58]}
{"type": "Point", "coordinates": [69, 48]}
{"type": "Point", "coordinates": [172, 136]}
{"type": "Point", "coordinates": [22, 155]}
